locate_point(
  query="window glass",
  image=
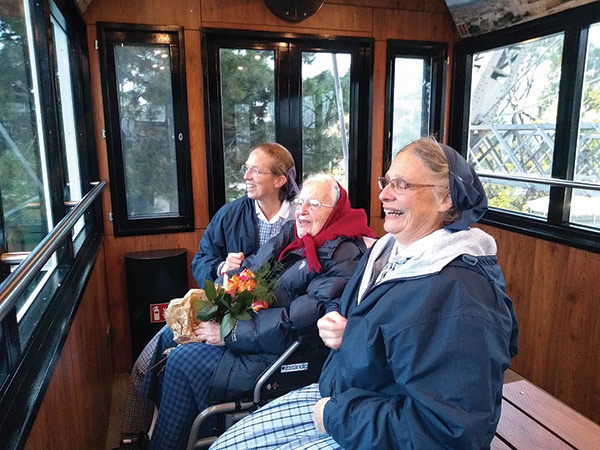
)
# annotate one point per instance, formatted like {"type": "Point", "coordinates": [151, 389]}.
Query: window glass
{"type": "Point", "coordinates": [67, 117]}
{"type": "Point", "coordinates": [326, 114]}
{"type": "Point", "coordinates": [514, 97]}
{"type": "Point", "coordinates": [248, 109]}
{"type": "Point", "coordinates": [411, 100]}
{"type": "Point", "coordinates": [24, 182]}
{"type": "Point", "coordinates": [145, 102]}
{"type": "Point", "coordinates": [585, 204]}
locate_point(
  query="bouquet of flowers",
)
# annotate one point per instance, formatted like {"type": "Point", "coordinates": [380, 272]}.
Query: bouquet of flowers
{"type": "Point", "coordinates": [240, 294]}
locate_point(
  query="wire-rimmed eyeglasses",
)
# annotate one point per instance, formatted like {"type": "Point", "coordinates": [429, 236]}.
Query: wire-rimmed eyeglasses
{"type": "Point", "coordinates": [399, 185]}
{"type": "Point", "coordinates": [312, 203]}
{"type": "Point", "coordinates": [254, 172]}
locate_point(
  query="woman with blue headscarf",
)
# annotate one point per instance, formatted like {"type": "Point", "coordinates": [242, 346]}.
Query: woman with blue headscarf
{"type": "Point", "coordinates": [424, 332]}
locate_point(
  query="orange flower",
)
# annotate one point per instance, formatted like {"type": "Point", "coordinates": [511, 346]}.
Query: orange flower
{"type": "Point", "coordinates": [246, 281]}
{"type": "Point", "coordinates": [231, 285]}
{"type": "Point", "coordinates": [257, 305]}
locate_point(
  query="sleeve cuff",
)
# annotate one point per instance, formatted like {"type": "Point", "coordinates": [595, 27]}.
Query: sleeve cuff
{"type": "Point", "coordinates": [318, 415]}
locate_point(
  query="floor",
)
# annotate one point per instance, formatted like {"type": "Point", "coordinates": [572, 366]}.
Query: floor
{"type": "Point", "coordinates": [120, 383]}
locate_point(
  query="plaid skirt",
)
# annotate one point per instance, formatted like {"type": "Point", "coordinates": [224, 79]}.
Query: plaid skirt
{"type": "Point", "coordinates": [286, 423]}
{"type": "Point", "coordinates": [184, 393]}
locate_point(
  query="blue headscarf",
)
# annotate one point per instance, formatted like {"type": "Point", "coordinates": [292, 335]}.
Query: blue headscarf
{"type": "Point", "coordinates": [291, 189]}
{"type": "Point", "coordinates": [466, 191]}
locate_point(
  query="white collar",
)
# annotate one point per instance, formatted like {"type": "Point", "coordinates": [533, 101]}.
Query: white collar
{"type": "Point", "coordinates": [428, 255]}
{"type": "Point", "coordinates": [286, 211]}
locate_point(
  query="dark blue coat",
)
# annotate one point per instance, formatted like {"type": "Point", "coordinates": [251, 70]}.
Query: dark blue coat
{"type": "Point", "coordinates": [302, 298]}
{"type": "Point", "coordinates": [234, 228]}
{"type": "Point", "coordinates": [422, 360]}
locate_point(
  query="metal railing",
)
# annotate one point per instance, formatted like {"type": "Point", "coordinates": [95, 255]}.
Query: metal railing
{"type": "Point", "coordinates": [538, 180]}
{"type": "Point", "coordinates": [18, 281]}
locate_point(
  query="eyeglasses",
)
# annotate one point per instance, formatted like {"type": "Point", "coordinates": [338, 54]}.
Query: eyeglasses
{"type": "Point", "coordinates": [312, 203]}
{"type": "Point", "coordinates": [254, 172]}
{"type": "Point", "coordinates": [399, 185]}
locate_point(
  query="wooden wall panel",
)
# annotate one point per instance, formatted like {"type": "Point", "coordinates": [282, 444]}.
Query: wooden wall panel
{"type": "Point", "coordinates": [101, 150]}
{"type": "Point", "coordinates": [196, 127]}
{"type": "Point", "coordinates": [554, 290]}
{"type": "Point", "coordinates": [253, 14]}
{"type": "Point", "coordinates": [413, 25]}
{"type": "Point", "coordinates": [116, 248]}
{"type": "Point", "coordinates": [156, 12]}
{"type": "Point", "coordinates": [75, 411]}
{"type": "Point", "coordinates": [378, 125]}
{"type": "Point", "coordinates": [407, 5]}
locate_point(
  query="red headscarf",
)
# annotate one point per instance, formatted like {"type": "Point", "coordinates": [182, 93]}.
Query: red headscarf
{"type": "Point", "coordinates": [343, 221]}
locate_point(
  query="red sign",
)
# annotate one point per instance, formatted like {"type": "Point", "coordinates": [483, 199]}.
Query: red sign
{"type": "Point", "coordinates": [157, 312]}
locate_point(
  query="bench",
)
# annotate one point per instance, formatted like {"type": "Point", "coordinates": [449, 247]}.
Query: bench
{"type": "Point", "coordinates": [533, 419]}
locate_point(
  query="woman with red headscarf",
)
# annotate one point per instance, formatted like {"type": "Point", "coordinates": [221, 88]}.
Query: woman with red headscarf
{"type": "Point", "coordinates": [319, 252]}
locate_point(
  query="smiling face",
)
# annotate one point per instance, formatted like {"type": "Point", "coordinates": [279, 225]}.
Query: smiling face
{"type": "Point", "coordinates": [265, 185]}
{"type": "Point", "coordinates": [310, 221]}
{"type": "Point", "coordinates": [417, 212]}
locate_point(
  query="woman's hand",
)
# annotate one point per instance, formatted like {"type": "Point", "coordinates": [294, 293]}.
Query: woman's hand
{"type": "Point", "coordinates": [233, 261]}
{"type": "Point", "coordinates": [331, 329]}
{"type": "Point", "coordinates": [209, 332]}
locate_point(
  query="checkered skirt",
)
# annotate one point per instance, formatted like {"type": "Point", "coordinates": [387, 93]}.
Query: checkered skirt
{"type": "Point", "coordinates": [286, 423]}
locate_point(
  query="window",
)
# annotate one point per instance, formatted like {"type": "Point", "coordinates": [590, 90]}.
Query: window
{"type": "Point", "coordinates": [306, 94]}
{"type": "Point", "coordinates": [68, 121]}
{"type": "Point", "coordinates": [145, 105]}
{"type": "Point", "coordinates": [514, 99]}
{"type": "Point", "coordinates": [585, 203]}
{"type": "Point", "coordinates": [247, 108]}
{"type": "Point", "coordinates": [47, 156]}
{"type": "Point", "coordinates": [325, 114]}
{"type": "Point", "coordinates": [415, 85]}
{"type": "Point", "coordinates": [528, 123]}
{"type": "Point", "coordinates": [24, 181]}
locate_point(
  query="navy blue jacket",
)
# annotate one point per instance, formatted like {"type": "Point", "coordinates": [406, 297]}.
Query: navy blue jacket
{"type": "Point", "coordinates": [302, 298]}
{"type": "Point", "coordinates": [422, 360]}
{"type": "Point", "coordinates": [234, 228]}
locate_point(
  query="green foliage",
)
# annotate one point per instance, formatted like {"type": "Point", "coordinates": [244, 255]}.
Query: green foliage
{"type": "Point", "coordinates": [247, 105]}
{"type": "Point", "coordinates": [239, 295]}
{"type": "Point", "coordinates": [321, 138]}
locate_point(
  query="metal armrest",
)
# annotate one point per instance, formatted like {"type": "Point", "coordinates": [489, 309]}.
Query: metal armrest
{"type": "Point", "coordinates": [272, 369]}
{"type": "Point", "coordinates": [211, 410]}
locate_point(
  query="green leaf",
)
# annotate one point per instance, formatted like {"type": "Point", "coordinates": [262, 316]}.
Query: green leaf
{"type": "Point", "coordinates": [210, 290]}
{"type": "Point", "coordinates": [244, 316]}
{"type": "Point", "coordinates": [207, 311]}
{"type": "Point", "coordinates": [227, 325]}
{"type": "Point", "coordinates": [244, 298]}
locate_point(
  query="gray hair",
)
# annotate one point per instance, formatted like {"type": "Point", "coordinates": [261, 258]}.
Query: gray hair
{"type": "Point", "coordinates": [334, 189]}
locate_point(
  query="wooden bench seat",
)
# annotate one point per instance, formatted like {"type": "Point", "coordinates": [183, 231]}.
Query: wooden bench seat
{"type": "Point", "coordinates": [533, 419]}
